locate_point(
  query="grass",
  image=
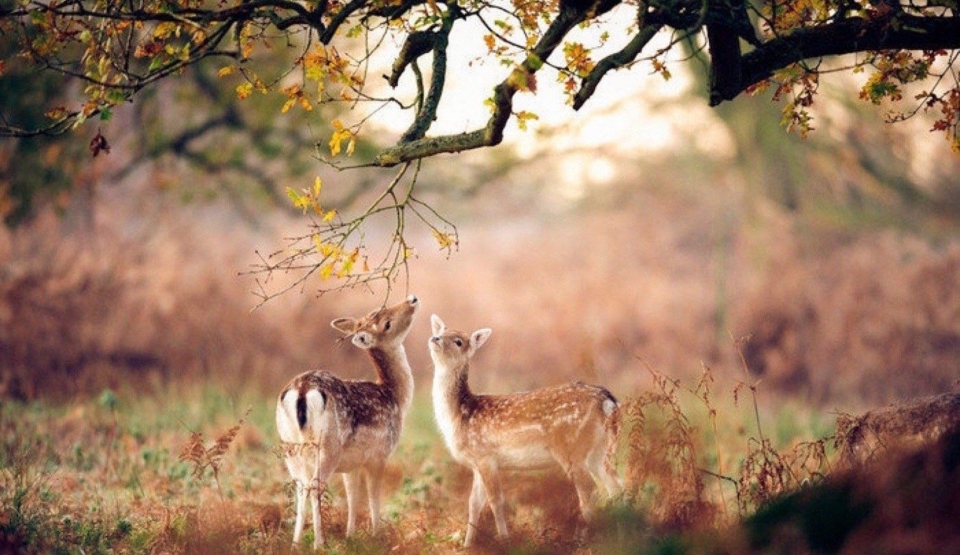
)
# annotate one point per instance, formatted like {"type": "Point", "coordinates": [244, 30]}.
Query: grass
{"type": "Point", "coordinates": [191, 469]}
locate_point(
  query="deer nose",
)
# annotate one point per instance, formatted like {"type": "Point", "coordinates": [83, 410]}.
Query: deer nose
{"type": "Point", "coordinates": [435, 339]}
{"type": "Point", "coordinates": [413, 300]}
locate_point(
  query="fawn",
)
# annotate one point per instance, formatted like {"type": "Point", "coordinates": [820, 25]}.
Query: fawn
{"type": "Point", "coordinates": [574, 425]}
{"type": "Point", "coordinates": [331, 425]}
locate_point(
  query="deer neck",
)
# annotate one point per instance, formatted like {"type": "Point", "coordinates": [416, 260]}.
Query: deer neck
{"type": "Point", "coordinates": [393, 372]}
{"type": "Point", "coordinates": [451, 392]}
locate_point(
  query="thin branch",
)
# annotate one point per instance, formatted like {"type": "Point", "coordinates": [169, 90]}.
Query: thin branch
{"type": "Point", "coordinates": [617, 60]}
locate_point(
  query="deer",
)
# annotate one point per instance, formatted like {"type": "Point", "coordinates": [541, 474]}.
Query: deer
{"type": "Point", "coordinates": [573, 425]}
{"type": "Point", "coordinates": [330, 425]}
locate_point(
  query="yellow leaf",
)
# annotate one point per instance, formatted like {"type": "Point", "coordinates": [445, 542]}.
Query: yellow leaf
{"type": "Point", "coordinates": [347, 265]}
{"type": "Point", "coordinates": [523, 117]}
{"type": "Point", "coordinates": [328, 250]}
{"type": "Point", "coordinates": [287, 105]}
{"type": "Point", "coordinates": [244, 90]}
{"type": "Point", "coordinates": [340, 134]}
{"type": "Point", "coordinates": [326, 271]}
{"type": "Point", "coordinates": [299, 201]}
{"type": "Point", "coordinates": [330, 215]}
{"type": "Point", "coordinates": [56, 113]}
{"type": "Point", "coordinates": [226, 71]}
{"type": "Point", "coordinates": [317, 185]}
{"type": "Point", "coordinates": [443, 239]}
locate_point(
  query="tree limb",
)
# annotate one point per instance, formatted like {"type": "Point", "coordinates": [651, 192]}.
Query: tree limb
{"type": "Point", "coordinates": [726, 63]}
{"type": "Point", "coordinates": [616, 60]}
{"type": "Point", "coordinates": [492, 133]}
{"type": "Point", "coordinates": [429, 40]}
{"type": "Point", "coordinates": [847, 36]}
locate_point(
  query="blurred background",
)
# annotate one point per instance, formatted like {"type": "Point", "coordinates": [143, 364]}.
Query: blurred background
{"type": "Point", "coordinates": [647, 231]}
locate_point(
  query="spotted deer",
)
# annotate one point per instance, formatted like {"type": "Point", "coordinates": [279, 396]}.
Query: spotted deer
{"type": "Point", "coordinates": [574, 425]}
{"type": "Point", "coordinates": [329, 425]}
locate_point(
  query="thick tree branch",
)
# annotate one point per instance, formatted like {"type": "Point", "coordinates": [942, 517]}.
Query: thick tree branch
{"type": "Point", "coordinates": [429, 40]}
{"type": "Point", "coordinates": [727, 22]}
{"type": "Point", "coordinates": [848, 36]}
{"type": "Point", "coordinates": [427, 112]}
{"type": "Point", "coordinates": [492, 133]}
{"type": "Point", "coordinates": [726, 64]}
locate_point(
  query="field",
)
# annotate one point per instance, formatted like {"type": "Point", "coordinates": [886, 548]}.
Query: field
{"type": "Point", "coordinates": [119, 472]}
{"type": "Point", "coordinates": [197, 470]}
{"type": "Point", "coordinates": [733, 341]}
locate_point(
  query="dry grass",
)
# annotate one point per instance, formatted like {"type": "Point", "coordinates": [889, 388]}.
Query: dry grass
{"type": "Point", "coordinates": [143, 474]}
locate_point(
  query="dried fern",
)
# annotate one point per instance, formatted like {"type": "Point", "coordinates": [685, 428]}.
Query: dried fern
{"type": "Point", "coordinates": [201, 457]}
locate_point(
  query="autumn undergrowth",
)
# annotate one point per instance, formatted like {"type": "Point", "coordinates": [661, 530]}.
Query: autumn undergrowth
{"type": "Point", "coordinates": [190, 468]}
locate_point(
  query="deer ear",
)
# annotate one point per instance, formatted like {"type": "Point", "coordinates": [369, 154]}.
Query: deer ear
{"type": "Point", "coordinates": [437, 325]}
{"type": "Point", "coordinates": [363, 340]}
{"type": "Point", "coordinates": [478, 338]}
{"type": "Point", "coordinates": [344, 325]}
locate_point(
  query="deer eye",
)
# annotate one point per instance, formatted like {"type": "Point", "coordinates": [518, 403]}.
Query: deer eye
{"type": "Point", "coordinates": [459, 342]}
{"type": "Point", "coordinates": [386, 327]}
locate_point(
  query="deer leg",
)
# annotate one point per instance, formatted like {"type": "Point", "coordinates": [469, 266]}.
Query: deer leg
{"type": "Point", "coordinates": [301, 506]}
{"type": "Point", "coordinates": [325, 467]}
{"type": "Point", "coordinates": [608, 475]}
{"type": "Point", "coordinates": [602, 468]}
{"type": "Point", "coordinates": [374, 481]}
{"type": "Point", "coordinates": [478, 500]}
{"type": "Point", "coordinates": [491, 482]}
{"type": "Point", "coordinates": [351, 485]}
{"type": "Point", "coordinates": [585, 488]}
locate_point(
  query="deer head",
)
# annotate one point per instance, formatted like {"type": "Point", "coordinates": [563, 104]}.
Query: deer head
{"type": "Point", "coordinates": [382, 328]}
{"type": "Point", "coordinates": [451, 349]}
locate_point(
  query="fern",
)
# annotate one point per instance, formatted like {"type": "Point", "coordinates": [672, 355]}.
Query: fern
{"type": "Point", "coordinates": [201, 457]}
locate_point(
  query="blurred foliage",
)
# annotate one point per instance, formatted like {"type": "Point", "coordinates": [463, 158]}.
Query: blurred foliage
{"type": "Point", "coordinates": [35, 170]}
{"type": "Point", "coordinates": [199, 140]}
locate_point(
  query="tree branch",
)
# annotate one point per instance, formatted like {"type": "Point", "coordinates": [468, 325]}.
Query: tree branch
{"type": "Point", "coordinates": [616, 60]}
{"type": "Point", "coordinates": [492, 133]}
{"type": "Point", "coordinates": [726, 63]}
{"type": "Point", "coordinates": [427, 111]}
{"type": "Point", "coordinates": [847, 36]}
